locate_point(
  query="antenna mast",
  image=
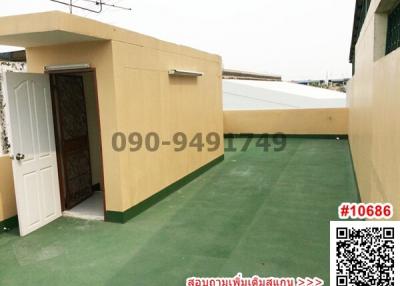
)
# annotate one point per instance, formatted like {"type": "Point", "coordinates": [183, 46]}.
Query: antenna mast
{"type": "Point", "coordinates": [98, 3]}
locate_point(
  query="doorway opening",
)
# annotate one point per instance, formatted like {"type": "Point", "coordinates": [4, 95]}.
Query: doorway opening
{"type": "Point", "coordinates": [78, 143]}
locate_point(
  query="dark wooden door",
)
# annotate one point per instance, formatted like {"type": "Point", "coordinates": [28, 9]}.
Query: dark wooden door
{"type": "Point", "coordinates": [72, 139]}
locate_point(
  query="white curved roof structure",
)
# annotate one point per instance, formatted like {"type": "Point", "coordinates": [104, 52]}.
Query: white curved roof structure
{"type": "Point", "coordinates": [259, 95]}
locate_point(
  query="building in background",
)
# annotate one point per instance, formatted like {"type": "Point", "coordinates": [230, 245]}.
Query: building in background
{"type": "Point", "coordinates": [15, 56]}
{"type": "Point", "coordinates": [332, 84]}
{"type": "Point", "coordinates": [245, 75]}
{"type": "Point", "coordinates": [374, 100]}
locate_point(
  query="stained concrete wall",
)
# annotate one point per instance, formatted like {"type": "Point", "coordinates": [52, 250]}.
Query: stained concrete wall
{"type": "Point", "coordinates": [374, 102]}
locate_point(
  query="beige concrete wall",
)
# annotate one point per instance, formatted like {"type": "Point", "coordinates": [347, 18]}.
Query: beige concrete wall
{"type": "Point", "coordinates": [7, 198]}
{"type": "Point", "coordinates": [290, 121]}
{"type": "Point", "coordinates": [374, 125]}
{"type": "Point", "coordinates": [148, 100]}
{"type": "Point", "coordinates": [137, 95]}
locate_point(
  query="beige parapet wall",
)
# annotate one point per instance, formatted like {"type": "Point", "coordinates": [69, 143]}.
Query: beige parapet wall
{"type": "Point", "coordinates": [289, 121]}
{"type": "Point", "coordinates": [7, 199]}
{"type": "Point", "coordinates": [374, 120]}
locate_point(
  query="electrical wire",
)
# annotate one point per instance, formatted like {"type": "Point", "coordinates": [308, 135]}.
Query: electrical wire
{"type": "Point", "coordinates": [107, 4]}
{"type": "Point", "coordinates": [99, 3]}
{"type": "Point", "coordinates": [80, 7]}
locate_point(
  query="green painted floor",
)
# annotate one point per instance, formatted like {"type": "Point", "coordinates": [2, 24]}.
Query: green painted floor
{"type": "Point", "coordinates": [256, 213]}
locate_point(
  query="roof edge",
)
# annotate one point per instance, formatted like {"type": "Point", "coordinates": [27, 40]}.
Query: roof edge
{"type": "Point", "coordinates": [61, 21]}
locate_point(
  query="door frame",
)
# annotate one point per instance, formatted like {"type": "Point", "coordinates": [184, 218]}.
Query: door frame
{"type": "Point", "coordinates": [92, 71]}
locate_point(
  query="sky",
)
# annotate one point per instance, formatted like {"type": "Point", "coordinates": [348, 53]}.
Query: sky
{"type": "Point", "coordinates": [297, 39]}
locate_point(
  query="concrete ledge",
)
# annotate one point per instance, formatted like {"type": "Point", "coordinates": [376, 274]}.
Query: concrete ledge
{"type": "Point", "coordinates": [306, 136]}
{"type": "Point", "coordinates": [290, 121]}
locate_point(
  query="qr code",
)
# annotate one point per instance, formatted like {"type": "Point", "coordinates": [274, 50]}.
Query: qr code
{"type": "Point", "coordinates": [365, 253]}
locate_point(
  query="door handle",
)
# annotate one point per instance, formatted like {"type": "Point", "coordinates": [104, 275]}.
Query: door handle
{"type": "Point", "coordinates": [20, 156]}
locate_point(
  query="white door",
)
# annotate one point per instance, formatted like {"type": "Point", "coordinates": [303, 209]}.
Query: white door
{"type": "Point", "coordinates": [31, 134]}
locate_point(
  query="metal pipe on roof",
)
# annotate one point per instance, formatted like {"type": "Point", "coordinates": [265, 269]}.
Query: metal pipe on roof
{"type": "Point", "coordinates": [243, 75]}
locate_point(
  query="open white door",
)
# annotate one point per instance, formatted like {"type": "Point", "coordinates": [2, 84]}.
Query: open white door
{"type": "Point", "coordinates": [31, 134]}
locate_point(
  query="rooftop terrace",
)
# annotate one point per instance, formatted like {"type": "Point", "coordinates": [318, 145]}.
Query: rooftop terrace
{"type": "Point", "coordinates": [255, 213]}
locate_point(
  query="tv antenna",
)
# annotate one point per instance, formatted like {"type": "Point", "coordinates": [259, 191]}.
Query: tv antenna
{"type": "Point", "coordinates": [98, 3]}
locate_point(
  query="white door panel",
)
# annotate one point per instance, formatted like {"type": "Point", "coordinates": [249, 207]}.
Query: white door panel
{"type": "Point", "coordinates": [31, 130]}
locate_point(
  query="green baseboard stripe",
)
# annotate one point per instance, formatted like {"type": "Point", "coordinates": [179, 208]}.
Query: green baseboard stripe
{"type": "Point", "coordinates": [122, 217]}
{"type": "Point", "coordinates": [9, 223]}
{"type": "Point", "coordinates": [305, 136]}
{"type": "Point", "coordinates": [355, 175]}
{"type": "Point", "coordinates": [318, 136]}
